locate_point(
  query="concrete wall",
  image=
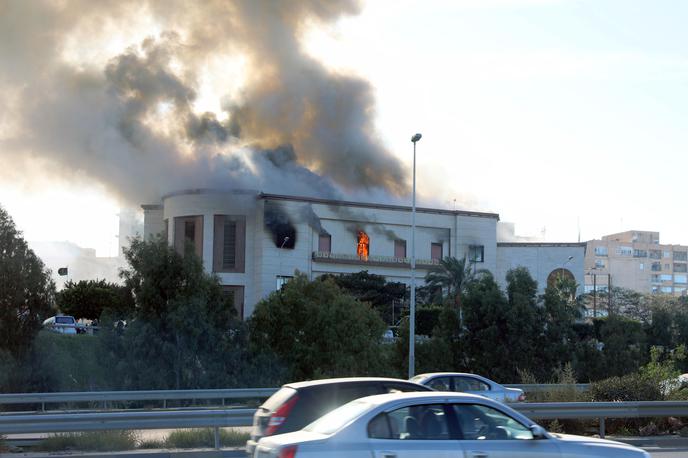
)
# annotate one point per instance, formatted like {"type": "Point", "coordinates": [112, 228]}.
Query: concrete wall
{"type": "Point", "coordinates": [541, 259]}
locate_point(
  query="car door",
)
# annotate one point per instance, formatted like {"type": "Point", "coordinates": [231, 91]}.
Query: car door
{"type": "Point", "coordinates": [490, 433]}
{"type": "Point", "coordinates": [417, 431]}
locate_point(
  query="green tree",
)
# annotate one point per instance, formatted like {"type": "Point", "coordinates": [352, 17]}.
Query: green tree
{"type": "Point", "coordinates": [486, 338]}
{"type": "Point", "coordinates": [525, 324]}
{"type": "Point", "coordinates": [318, 331]}
{"type": "Point", "coordinates": [450, 279]}
{"type": "Point", "coordinates": [561, 311]}
{"type": "Point", "coordinates": [89, 298]}
{"type": "Point", "coordinates": [184, 333]}
{"type": "Point", "coordinates": [385, 297]}
{"type": "Point", "coordinates": [624, 344]}
{"type": "Point", "coordinates": [26, 290]}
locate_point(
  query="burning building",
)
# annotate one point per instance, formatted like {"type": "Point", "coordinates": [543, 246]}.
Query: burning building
{"type": "Point", "coordinates": [254, 242]}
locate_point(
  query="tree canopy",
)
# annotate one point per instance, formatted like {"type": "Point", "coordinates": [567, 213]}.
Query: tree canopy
{"type": "Point", "coordinates": [318, 331]}
{"type": "Point", "coordinates": [26, 290]}
{"type": "Point", "coordinates": [89, 298]}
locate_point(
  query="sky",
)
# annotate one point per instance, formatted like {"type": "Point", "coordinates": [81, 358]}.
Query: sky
{"type": "Point", "coordinates": [566, 117]}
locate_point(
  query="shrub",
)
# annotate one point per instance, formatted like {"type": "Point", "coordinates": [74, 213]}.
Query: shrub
{"type": "Point", "coordinates": [631, 387]}
{"type": "Point", "coordinates": [203, 438]}
{"type": "Point", "coordinates": [101, 441]}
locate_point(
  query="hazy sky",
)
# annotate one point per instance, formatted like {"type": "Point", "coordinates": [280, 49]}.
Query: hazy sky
{"type": "Point", "coordinates": [556, 114]}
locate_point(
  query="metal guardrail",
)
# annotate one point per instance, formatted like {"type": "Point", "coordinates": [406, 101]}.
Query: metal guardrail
{"type": "Point", "coordinates": [169, 395]}
{"type": "Point", "coordinates": [531, 388]}
{"type": "Point", "coordinates": [149, 395]}
{"type": "Point", "coordinates": [217, 418]}
{"type": "Point", "coordinates": [601, 410]}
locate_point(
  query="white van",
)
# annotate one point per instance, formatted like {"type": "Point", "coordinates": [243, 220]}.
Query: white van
{"type": "Point", "coordinates": [63, 324]}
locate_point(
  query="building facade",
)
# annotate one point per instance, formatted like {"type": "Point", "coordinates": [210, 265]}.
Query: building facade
{"type": "Point", "coordinates": [254, 242]}
{"type": "Point", "coordinates": [636, 260]}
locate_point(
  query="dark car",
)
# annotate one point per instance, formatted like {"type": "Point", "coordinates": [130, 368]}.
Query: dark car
{"type": "Point", "coordinates": [296, 405]}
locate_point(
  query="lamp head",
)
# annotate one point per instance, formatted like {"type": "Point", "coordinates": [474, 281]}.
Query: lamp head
{"type": "Point", "coordinates": [416, 137]}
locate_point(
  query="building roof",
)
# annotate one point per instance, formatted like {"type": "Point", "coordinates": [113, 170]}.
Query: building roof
{"type": "Point", "coordinates": [541, 244]}
{"type": "Point", "coordinates": [377, 206]}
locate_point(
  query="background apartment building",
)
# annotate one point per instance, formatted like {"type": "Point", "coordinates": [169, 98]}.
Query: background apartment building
{"type": "Point", "coordinates": [636, 260]}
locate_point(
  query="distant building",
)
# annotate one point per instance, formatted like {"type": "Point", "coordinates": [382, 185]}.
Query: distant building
{"type": "Point", "coordinates": [254, 242]}
{"type": "Point", "coordinates": [636, 260]}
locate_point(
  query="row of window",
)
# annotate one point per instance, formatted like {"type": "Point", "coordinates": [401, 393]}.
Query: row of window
{"type": "Point", "coordinates": [476, 253]}
{"type": "Point", "coordinates": [639, 253]}
{"type": "Point", "coordinates": [668, 277]}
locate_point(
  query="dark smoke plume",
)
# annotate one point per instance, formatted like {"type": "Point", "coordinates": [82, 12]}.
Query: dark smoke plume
{"type": "Point", "coordinates": [280, 226]}
{"type": "Point", "coordinates": [128, 119]}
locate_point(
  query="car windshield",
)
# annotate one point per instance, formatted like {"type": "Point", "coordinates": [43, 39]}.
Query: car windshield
{"type": "Point", "coordinates": [338, 418]}
{"type": "Point", "coordinates": [64, 320]}
{"type": "Point", "coordinates": [417, 378]}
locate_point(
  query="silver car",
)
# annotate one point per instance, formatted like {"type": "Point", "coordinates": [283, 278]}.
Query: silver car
{"type": "Point", "coordinates": [470, 383]}
{"type": "Point", "coordinates": [427, 424]}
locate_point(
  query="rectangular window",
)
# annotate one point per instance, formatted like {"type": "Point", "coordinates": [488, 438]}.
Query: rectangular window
{"type": "Point", "coordinates": [624, 251]}
{"type": "Point", "coordinates": [400, 248]}
{"type": "Point", "coordinates": [680, 267]}
{"type": "Point", "coordinates": [680, 291]}
{"type": "Point", "coordinates": [667, 266]}
{"type": "Point", "coordinates": [665, 277]}
{"type": "Point", "coordinates": [436, 251]}
{"type": "Point", "coordinates": [282, 280]}
{"type": "Point", "coordinates": [666, 289]}
{"type": "Point", "coordinates": [640, 253]}
{"type": "Point", "coordinates": [236, 295]}
{"type": "Point", "coordinates": [680, 278]}
{"type": "Point", "coordinates": [642, 266]}
{"type": "Point", "coordinates": [667, 254]}
{"type": "Point", "coordinates": [656, 266]}
{"type": "Point", "coordinates": [599, 264]}
{"type": "Point", "coordinates": [476, 253]}
{"type": "Point", "coordinates": [600, 251]}
{"type": "Point", "coordinates": [655, 254]}
{"type": "Point", "coordinates": [188, 235]}
{"type": "Point", "coordinates": [680, 256]}
{"type": "Point", "coordinates": [325, 243]}
{"type": "Point", "coordinates": [655, 279]}
{"type": "Point", "coordinates": [229, 243]}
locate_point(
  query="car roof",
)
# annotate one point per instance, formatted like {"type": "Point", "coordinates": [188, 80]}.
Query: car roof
{"type": "Point", "coordinates": [438, 396]}
{"type": "Point", "coordinates": [449, 374]}
{"type": "Point", "coordinates": [344, 380]}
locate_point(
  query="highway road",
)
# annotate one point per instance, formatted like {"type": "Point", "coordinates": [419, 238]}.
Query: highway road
{"type": "Point", "coordinates": [667, 452]}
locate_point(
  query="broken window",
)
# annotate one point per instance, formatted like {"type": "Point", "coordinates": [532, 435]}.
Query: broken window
{"type": "Point", "coordinates": [363, 246]}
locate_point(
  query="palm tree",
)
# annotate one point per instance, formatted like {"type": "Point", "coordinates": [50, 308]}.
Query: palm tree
{"type": "Point", "coordinates": [452, 276]}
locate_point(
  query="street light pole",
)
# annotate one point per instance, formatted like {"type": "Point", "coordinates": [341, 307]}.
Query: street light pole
{"type": "Point", "coordinates": [412, 311]}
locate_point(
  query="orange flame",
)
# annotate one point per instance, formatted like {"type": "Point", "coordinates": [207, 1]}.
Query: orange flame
{"type": "Point", "coordinates": [363, 245]}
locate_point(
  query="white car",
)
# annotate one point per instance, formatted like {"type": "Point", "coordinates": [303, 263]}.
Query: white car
{"type": "Point", "coordinates": [62, 324]}
{"type": "Point", "coordinates": [433, 424]}
{"type": "Point", "coordinates": [470, 383]}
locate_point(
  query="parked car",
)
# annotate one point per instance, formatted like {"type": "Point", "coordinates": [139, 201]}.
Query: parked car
{"type": "Point", "coordinates": [297, 404]}
{"type": "Point", "coordinates": [63, 324]}
{"type": "Point", "coordinates": [442, 425]}
{"type": "Point", "coordinates": [470, 383]}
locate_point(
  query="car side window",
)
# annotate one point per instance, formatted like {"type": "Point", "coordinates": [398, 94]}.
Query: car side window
{"type": "Point", "coordinates": [421, 422]}
{"type": "Point", "coordinates": [470, 384]}
{"type": "Point", "coordinates": [349, 392]}
{"type": "Point", "coordinates": [479, 422]}
{"type": "Point", "coordinates": [440, 384]}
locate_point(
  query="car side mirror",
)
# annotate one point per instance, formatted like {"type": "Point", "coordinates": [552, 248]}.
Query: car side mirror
{"type": "Point", "coordinates": [538, 432]}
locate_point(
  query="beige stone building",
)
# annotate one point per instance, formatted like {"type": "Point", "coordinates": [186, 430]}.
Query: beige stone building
{"type": "Point", "coordinates": [636, 260]}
